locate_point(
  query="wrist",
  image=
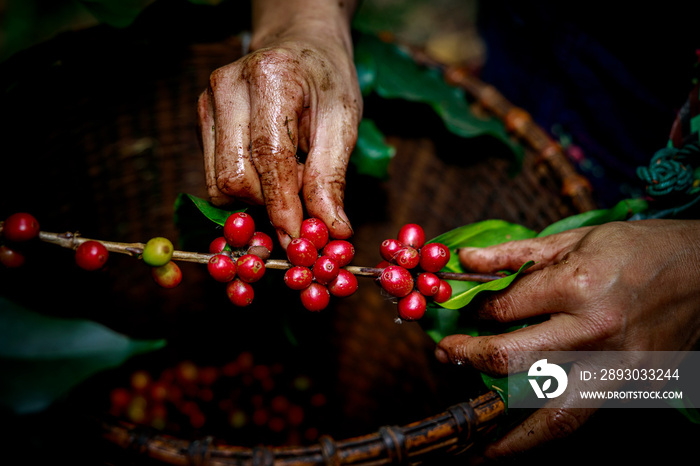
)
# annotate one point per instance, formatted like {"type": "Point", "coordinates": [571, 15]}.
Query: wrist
{"type": "Point", "coordinates": [322, 21]}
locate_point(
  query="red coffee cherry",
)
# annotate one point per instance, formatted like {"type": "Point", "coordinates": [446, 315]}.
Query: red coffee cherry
{"type": "Point", "coordinates": [298, 277]}
{"type": "Point", "coordinates": [260, 238]}
{"type": "Point", "coordinates": [239, 228]}
{"type": "Point", "coordinates": [239, 292]}
{"type": "Point", "coordinates": [301, 251]}
{"type": "Point", "coordinates": [383, 264]}
{"type": "Point", "coordinates": [397, 281]}
{"type": "Point", "coordinates": [434, 256]}
{"type": "Point", "coordinates": [412, 235]}
{"type": "Point", "coordinates": [340, 250]}
{"type": "Point", "coordinates": [389, 248]}
{"type": "Point", "coordinates": [218, 245]}
{"type": "Point", "coordinates": [222, 268]}
{"type": "Point", "coordinates": [413, 306]}
{"type": "Point", "coordinates": [250, 268]}
{"type": "Point", "coordinates": [407, 257]}
{"type": "Point", "coordinates": [444, 292]}
{"type": "Point", "coordinates": [344, 285]}
{"type": "Point", "coordinates": [91, 255]}
{"type": "Point", "coordinates": [168, 275]}
{"type": "Point", "coordinates": [315, 231]}
{"type": "Point", "coordinates": [20, 226]}
{"type": "Point", "coordinates": [10, 258]}
{"type": "Point", "coordinates": [428, 283]}
{"type": "Point", "coordinates": [325, 269]}
{"type": "Point", "coordinates": [315, 297]}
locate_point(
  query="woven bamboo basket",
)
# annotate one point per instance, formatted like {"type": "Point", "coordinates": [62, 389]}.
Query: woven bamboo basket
{"type": "Point", "coordinates": [100, 134]}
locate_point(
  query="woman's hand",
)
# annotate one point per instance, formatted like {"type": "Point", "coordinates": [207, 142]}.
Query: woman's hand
{"type": "Point", "coordinates": [298, 89]}
{"type": "Point", "coordinates": [625, 286]}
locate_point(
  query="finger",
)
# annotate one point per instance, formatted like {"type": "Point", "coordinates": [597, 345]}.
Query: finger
{"type": "Point", "coordinates": [235, 174]}
{"type": "Point", "coordinates": [543, 426]}
{"type": "Point", "coordinates": [559, 418]}
{"type": "Point", "coordinates": [508, 352]}
{"type": "Point", "coordinates": [276, 103]}
{"type": "Point", "coordinates": [513, 254]}
{"type": "Point", "coordinates": [207, 133]}
{"type": "Point", "coordinates": [324, 175]}
{"type": "Point", "coordinates": [552, 290]}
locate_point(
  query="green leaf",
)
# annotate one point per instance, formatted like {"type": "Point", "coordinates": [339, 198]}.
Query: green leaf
{"type": "Point", "coordinates": [511, 388]}
{"type": "Point", "coordinates": [686, 407]}
{"type": "Point", "coordinates": [115, 13]}
{"type": "Point", "coordinates": [392, 73]}
{"type": "Point", "coordinates": [366, 68]}
{"type": "Point", "coordinates": [372, 155]}
{"type": "Point", "coordinates": [209, 210]}
{"type": "Point", "coordinates": [461, 299]}
{"type": "Point", "coordinates": [480, 234]}
{"type": "Point", "coordinates": [445, 319]}
{"type": "Point", "coordinates": [44, 357]}
{"type": "Point", "coordinates": [621, 211]}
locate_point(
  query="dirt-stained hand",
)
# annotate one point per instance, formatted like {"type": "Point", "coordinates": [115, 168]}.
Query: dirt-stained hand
{"type": "Point", "coordinates": [623, 286]}
{"type": "Point", "coordinates": [295, 91]}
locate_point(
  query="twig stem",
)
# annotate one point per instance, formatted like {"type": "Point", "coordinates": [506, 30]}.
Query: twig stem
{"type": "Point", "coordinates": [73, 240]}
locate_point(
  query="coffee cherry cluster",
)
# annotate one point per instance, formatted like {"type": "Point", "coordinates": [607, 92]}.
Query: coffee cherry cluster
{"type": "Point", "coordinates": [18, 228]}
{"type": "Point", "coordinates": [239, 257]}
{"type": "Point", "coordinates": [409, 271]}
{"type": "Point", "coordinates": [317, 266]}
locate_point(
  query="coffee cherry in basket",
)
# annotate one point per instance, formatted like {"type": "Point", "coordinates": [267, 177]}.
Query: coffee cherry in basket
{"type": "Point", "coordinates": [11, 258]}
{"type": "Point", "coordinates": [158, 251]}
{"type": "Point", "coordinates": [91, 255]}
{"type": "Point", "coordinates": [20, 226]}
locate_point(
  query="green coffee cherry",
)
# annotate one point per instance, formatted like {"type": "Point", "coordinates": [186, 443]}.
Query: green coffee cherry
{"type": "Point", "coordinates": [158, 251]}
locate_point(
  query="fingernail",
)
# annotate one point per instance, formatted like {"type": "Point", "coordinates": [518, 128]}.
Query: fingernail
{"type": "Point", "coordinates": [461, 252]}
{"type": "Point", "coordinates": [441, 355]}
{"type": "Point", "coordinates": [342, 216]}
{"type": "Point", "coordinates": [284, 237]}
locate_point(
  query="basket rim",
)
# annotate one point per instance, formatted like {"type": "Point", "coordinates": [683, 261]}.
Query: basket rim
{"type": "Point", "coordinates": [452, 431]}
